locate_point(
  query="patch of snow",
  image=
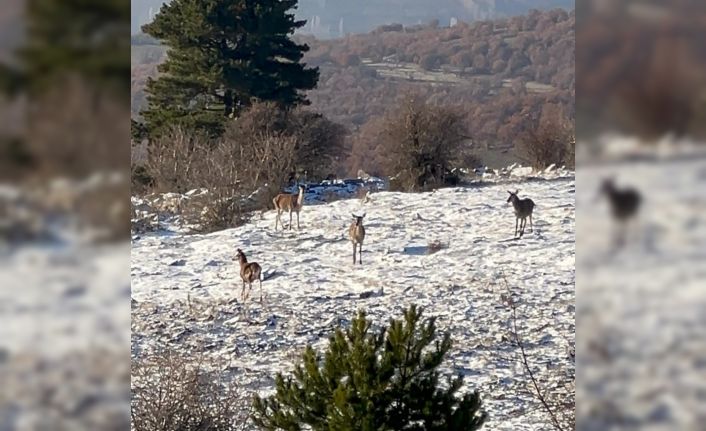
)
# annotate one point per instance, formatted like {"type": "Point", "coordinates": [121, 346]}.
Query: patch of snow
{"type": "Point", "coordinates": [312, 285]}
{"type": "Point", "coordinates": [642, 309]}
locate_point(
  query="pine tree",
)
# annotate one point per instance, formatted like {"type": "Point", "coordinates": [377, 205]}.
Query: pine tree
{"type": "Point", "coordinates": [84, 38]}
{"type": "Point", "coordinates": [367, 380]}
{"type": "Point", "coordinates": [222, 55]}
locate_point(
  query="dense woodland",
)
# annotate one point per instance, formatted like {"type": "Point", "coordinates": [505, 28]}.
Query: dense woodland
{"type": "Point", "coordinates": [504, 76]}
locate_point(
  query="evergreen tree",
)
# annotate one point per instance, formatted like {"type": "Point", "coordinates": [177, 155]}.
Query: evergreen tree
{"type": "Point", "coordinates": [223, 54]}
{"type": "Point", "coordinates": [381, 381]}
{"type": "Point", "coordinates": [85, 38]}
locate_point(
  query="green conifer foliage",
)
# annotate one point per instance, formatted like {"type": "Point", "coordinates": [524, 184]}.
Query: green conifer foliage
{"type": "Point", "coordinates": [222, 55]}
{"type": "Point", "coordinates": [84, 38]}
{"type": "Point", "coordinates": [373, 380]}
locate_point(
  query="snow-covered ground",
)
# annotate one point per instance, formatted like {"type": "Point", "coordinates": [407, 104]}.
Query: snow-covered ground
{"type": "Point", "coordinates": [642, 309]}
{"type": "Point", "coordinates": [64, 307]}
{"type": "Point", "coordinates": [186, 288]}
{"type": "Point", "coordinates": [64, 336]}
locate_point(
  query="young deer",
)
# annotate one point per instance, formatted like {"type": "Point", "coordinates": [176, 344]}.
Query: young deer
{"type": "Point", "coordinates": [249, 272]}
{"type": "Point", "coordinates": [523, 209]}
{"type": "Point", "coordinates": [356, 232]}
{"type": "Point", "coordinates": [288, 202]}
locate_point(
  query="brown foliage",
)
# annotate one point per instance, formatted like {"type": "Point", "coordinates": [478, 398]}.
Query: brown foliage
{"type": "Point", "coordinates": [318, 142]}
{"type": "Point", "coordinates": [494, 115]}
{"type": "Point", "coordinates": [551, 142]}
{"type": "Point", "coordinates": [366, 151]}
{"type": "Point", "coordinates": [420, 143]}
{"type": "Point", "coordinates": [244, 169]}
{"type": "Point", "coordinates": [642, 76]}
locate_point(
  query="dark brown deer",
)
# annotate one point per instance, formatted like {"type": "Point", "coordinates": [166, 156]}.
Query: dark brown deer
{"type": "Point", "coordinates": [289, 202]}
{"type": "Point", "coordinates": [249, 272]}
{"type": "Point", "coordinates": [624, 205]}
{"type": "Point", "coordinates": [356, 232]}
{"type": "Point", "coordinates": [523, 210]}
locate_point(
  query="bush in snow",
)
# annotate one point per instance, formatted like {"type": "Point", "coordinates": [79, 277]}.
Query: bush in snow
{"type": "Point", "coordinates": [383, 380]}
{"type": "Point", "coordinates": [550, 143]}
{"type": "Point", "coordinates": [171, 393]}
{"type": "Point", "coordinates": [422, 143]}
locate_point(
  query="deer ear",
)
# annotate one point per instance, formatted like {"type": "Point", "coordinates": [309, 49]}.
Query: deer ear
{"type": "Point", "coordinates": [509, 191]}
{"type": "Point", "coordinates": [363, 216]}
{"type": "Point", "coordinates": [517, 191]}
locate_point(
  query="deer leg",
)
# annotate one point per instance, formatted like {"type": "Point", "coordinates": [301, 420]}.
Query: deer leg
{"type": "Point", "coordinates": [242, 293]}
{"type": "Point", "coordinates": [360, 253]}
{"type": "Point", "coordinates": [290, 219]}
{"type": "Point", "coordinates": [297, 220]}
{"type": "Point", "coordinates": [277, 219]}
{"type": "Point", "coordinates": [531, 227]}
{"type": "Point", "coordinates": [523, 222]}
{"type": "Point", "coordinates": [516, 221]}
{"type": "Point", "coordinates": [354, 245]}
{"type": "Point", "coordinates": [260, 280]}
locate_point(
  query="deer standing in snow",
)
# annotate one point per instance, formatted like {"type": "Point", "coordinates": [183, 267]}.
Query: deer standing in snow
{"type": "Point", "coordinates": [523, 209]}
{"type": "Point", "coordinates": [624, 205]}
{"type": "Point", "coordinates": [356, 232]}
{"type": "Point", "coordinates": [288, 202]}
{"type": "Point", "coordinates": [249, 272]}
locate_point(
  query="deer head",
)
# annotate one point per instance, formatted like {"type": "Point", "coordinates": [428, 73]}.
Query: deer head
{"type": "Point", "coordinates": [358, 219]}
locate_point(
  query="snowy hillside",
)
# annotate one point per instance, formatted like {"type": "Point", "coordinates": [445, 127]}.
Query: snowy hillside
{"type": "Point", "coordinates": [642, 311]}
{"type": "Point", "coordinates": [186, 288]}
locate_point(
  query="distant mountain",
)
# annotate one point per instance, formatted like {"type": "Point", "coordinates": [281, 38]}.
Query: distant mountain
{"type": "Point", "coordinates": [334, 18]}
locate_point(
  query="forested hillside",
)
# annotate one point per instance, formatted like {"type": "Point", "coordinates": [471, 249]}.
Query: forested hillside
{"type": "Point", "coordinates": [504, 75]}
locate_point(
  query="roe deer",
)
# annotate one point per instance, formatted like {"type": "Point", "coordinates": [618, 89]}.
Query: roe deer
{"type": "Point", "coordinates": [356, 232]}
{"type": "Point", "coordinates": [249, 272]}
{"type": "Point", "coordinates": [288, 202]}
{"type": "Point", "coordinates": [523, 209]}
{"type": "Point", "coordinates": [624, 204]}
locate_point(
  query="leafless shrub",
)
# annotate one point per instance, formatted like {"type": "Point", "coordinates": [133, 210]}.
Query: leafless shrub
{"type": "Point", "coordinates": [241, 172]}
{"type": "Point", "coordinates": [551, 142]}
{"type": "Point", "coordinates": [421, 142]}
{"type": "Point", "coordinates": [170, 393]}
{"type": "Point", "coordinates": [245, 168]}
{"type": "Point", "coordinates": [264, 160]}
{"type": "Point", "coordinates": [72, 131]}
{"type": "Point", "coordinates": [222, 206]}
{"type": "Point", "coordinates": [318, 141]}
{"type": "Point", "coordinates": [175, 160]}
